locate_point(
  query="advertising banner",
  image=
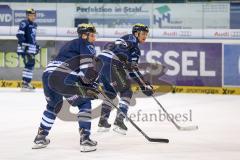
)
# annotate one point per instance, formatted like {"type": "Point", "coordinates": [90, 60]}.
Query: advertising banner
{"type": "Point", "coordinates": [189, 64]}
{"type": "Point", "coordinates": [191, 16]}
{"type": "Point", "coordinates": [232, 65]}
{"type": "Point", "coordinates": [5, 15]}
{"type": "Point", "coordinates": [113, 15]}
{"type": "Point", "coordinates": [10, 17]}
{"type": "Point", "coordinates": [222, 33]}
{"type": "Point", "coordinates": [11, 64]}
{"type": "Point", "coordinates": [166, 20]}
{"type": "Point", "coordinates": [44, 17]}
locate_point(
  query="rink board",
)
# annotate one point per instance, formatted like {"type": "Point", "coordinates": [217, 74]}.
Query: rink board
{"type": "Point", "coordinates": [206, 66]}
{"type": "Point", "coordinates": [164, 89]}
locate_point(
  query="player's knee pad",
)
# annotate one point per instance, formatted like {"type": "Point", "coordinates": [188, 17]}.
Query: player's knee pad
{"type": "Point", "coordinates": [109, 90]}
{"type": "Point", "coordinates": [110, 93]}
{"type": "Point", "coordinates": [58, 107]}
{"type": "Point", "coordinates": [74, 100]}
{"type": "Point", "coordinates": [55, 107]}
{"type": "Point", "coordinates": [85, 104]}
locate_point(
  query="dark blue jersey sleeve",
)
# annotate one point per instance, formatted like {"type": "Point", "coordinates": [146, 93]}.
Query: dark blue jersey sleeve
{"type": "Point", "coordinates": [128, 47]}
{"type": "Point", "coordinates": [87, 69]}
{"type": "Point", "coordinates": [27, 32]}
{"type": "Point", "coordinates": [134, 54]}
{"type": "Point", "coordinates": [21, 32]}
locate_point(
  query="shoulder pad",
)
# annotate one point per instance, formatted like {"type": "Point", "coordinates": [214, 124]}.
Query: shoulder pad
{"type": "Point", "coordinates": [121, 42]}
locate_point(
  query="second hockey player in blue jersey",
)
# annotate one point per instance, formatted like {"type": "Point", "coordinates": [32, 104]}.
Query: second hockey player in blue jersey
{"type": "Point", "coordinates": [119, 59]}
{"type": "Point", "coordinates": [71, 75]}
{"type": "Point", "coordinates": [28, 47]}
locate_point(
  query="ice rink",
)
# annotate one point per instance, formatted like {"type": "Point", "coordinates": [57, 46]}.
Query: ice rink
{"type": "Point", "coordinates": [217, 116]}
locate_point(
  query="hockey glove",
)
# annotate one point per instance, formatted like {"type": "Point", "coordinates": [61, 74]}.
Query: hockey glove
{"type": "Point", "coordinates": [147, 89]}
{"type": "Point", "coordinates": [92, 91]}
{"type": "Point", "coordinates": [20, 49]}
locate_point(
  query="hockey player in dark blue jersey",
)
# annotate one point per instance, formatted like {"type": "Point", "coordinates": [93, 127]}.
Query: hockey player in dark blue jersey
{"type": "Point", "coordinates": [27, 47]}
{"type": "Point", "coordinates": [120, 59]}
{"type": "Point", "coordinates": [71, 75]}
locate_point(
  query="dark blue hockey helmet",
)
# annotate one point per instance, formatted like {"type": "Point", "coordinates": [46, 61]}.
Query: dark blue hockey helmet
{"type": "Point", "coordinates": [140, 27]}
{"type": "Point", "coordinates": [30, 11]}
{"type": "Point", "coordinates": [85, 28]}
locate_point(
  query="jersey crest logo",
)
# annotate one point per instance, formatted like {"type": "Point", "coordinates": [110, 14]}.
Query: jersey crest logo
{"type": "Point", "coordinates": [132, 38]}
{"type": "Point", "coordinates": [91, 49]}
{"type": "Point", "coordinates": [22, 24]}
{"type": "Point", "coordinates": [34, 31]}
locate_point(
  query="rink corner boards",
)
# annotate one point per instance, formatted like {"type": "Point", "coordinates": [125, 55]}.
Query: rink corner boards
{"type": "Point", "coordinates": [157, 88]}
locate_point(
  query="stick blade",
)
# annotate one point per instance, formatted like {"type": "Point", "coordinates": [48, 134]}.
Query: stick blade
{"type": "Point", "coordinates": [188, 128]}
{"type": "Point", "coordinates": [159, 140]}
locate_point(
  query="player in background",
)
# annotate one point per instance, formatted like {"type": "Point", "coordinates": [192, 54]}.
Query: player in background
{"type": "Point", "coordinates": [27, 47]}
{"type": "Point", "coordinates": [71, 75]}
{"type": "Point", "coordinates": [119, 59]}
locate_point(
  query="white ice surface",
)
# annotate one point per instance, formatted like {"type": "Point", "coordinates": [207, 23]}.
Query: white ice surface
{"type": "Point", "coordinates": [218, 137]}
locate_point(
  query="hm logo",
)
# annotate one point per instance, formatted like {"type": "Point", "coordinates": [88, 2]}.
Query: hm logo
{"type": "Point", "coordinates": [164, 15]}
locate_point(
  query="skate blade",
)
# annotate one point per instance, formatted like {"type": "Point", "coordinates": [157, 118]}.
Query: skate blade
{"type": "Point", "coordinates": [27, 90]}
{"type": "Point", "coordinates": [119, 130]}
{"type": "Point", "coordinates": [84, 148]}
{"type": "Point", "coordinates": [39, 146]}
{"type": "Point", "coordinates": [103, 129]}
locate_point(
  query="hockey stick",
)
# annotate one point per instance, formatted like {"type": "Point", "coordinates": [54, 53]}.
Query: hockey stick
{"type": "Point", "coordinates": [160, 140]}
{"type": "Point", "coordinates": [181, 128]}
